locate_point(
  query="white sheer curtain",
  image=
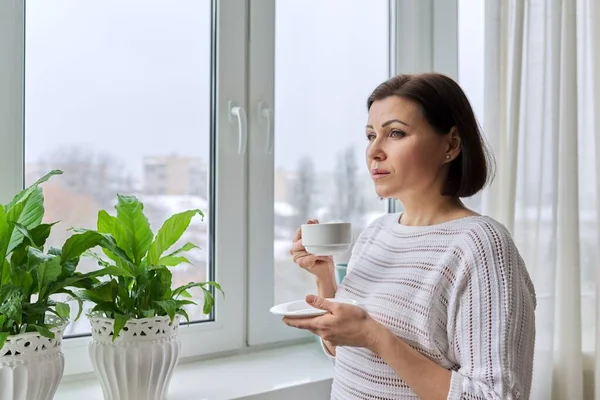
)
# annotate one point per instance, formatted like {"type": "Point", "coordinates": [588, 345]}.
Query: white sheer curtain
{"type": "Point", "coordinates": [541, 117]}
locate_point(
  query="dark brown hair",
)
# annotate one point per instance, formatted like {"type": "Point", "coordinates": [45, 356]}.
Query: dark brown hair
{"type": "Point", "coordinates": [444, 105]}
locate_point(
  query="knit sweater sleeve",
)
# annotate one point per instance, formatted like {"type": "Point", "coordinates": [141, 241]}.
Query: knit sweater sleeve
{"type": "Point", "coordinates": [491, 323]}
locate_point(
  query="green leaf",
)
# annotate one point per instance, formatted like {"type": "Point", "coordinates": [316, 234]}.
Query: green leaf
{"type": "Point", "coordinates": [35, 257]}
{"type": "Point", "coordinates": [103, 292]}
{"type": "Point", "coordinates": [149, 313]}
{"type": "Point", "coordinates": [169, 234]}
{"type": "Point", "coordinates": [113, 270]}
{"type": "Point", "coordinates": [13, 307]}
{"type": "Point", "coordinates": [185, 294]}
{"type": "Point", "coordinates": [25, 193]}
{"type": "Point", "coordinates": [79, 243]}
{"type": "Point", "coordinates": [47, 273]}
{"type": "Point", "coordinates": [130, 213]}
{"type": "Point", "coordinates": [182, 303]}
{"type": "Point", "coordinates": [216, 286]}
{"type": "Point", "coordinates": [37, 235]}
{"type": "Point", "coordinates": [185, 315]}
{"type": "Point", "coordinates": [108, 309]}
{"type": "Point", "coordinates": [77, 280]}
{"type": "Point", "coordinates": [186, 247]}
{"type": "Point", "coordinates": [68, 268]}
{"type": "Point", "coordinates": [28, 213]}
{"type": "Point", "coordinates": [160, 287]}
{"type": "Point", "coordinates": [63, 310]}
{"type": "Point", "coordinates": [18, 258]}
{"type": "Point", "coordinates": [172, 261]}
{"type": "Point", "coordinates": [23, 279]}
{"type": "Point", "coordinates": [119, 261]}
{"type": "Point", "coordinates": [120, 321]}
{"type": "Point", "coordinates": [112, 226]}
{"type": "Point", "coordinates": [8, 291]}
{"type": "Point", "coordinates": [85, 240]}
{"type": "Point", "coordinates": [77, 299]}
{"type": "Point", "coordinates": [209, 301]}
{"type": "Point", "coordinates": [42, 330]}
{"type": "Point", "coordinates": [26, 208]}
{"type": "Point", "coordinates": [25, 232]}
{"type": "Point", "coordinates": [3, 337]}
{"type": "Point", "coordinates": [181, 290]}
{"type": "Point", "coordinates": [5, 270]}
{"type": "Point", "coordinates": [169, 307]}
{"type": "Point", "coordinates": [41, 233]}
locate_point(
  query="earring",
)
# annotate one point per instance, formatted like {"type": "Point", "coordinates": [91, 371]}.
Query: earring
{"type": "Point", "coordinates": [447, 156]}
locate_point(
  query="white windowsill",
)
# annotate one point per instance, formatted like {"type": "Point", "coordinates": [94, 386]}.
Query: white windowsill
{"type": "Point", "coordinates": [292, 372]}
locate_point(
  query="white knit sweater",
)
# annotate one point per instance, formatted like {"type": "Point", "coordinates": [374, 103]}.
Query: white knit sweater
{"type": "Point", "coordinates": [458, 292]}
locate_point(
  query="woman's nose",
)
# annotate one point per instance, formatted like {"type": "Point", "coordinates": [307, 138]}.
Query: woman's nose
{"type": "Point", "coordinates": [375, 151]}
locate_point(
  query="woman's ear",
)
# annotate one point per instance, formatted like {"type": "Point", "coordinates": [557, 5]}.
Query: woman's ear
{"type": "Point", "coordinates": [454, 143]}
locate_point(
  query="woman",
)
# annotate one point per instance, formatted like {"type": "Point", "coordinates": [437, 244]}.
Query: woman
{"type": "Point", "coordinates": [446, 304]}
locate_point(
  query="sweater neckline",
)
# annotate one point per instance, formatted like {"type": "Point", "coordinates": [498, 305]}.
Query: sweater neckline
{"type": "Point", "coordinates": [394, 223]}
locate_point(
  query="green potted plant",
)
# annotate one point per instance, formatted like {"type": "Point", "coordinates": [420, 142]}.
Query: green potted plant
{"type": "Point", "coordinates": [32, 321]}
{"type": "Point", "coordinates": [136, 313]}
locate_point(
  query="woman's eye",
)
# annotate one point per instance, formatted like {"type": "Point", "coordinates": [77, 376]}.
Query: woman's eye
{"type": "Point", "coordinates": [396, 133]}
{"type": "Point", "coordinates": [370, 137]}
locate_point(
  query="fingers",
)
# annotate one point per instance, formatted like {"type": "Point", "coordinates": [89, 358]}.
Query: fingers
{"type": "Point", "coordinates": [297, 235]}
{"type": "Point", "coordinates": [301, 323]}
{"type": "Point", "coordinates": [305, 260]}
{"type": "Point", "coordinates": [313, 324]}
{"type": "Point", "coordinates": [298, 247]}
{"type": "Point", "coordinates": [320, 302]}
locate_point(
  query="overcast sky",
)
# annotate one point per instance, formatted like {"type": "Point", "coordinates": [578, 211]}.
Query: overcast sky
{"type": "Point", "coordinates": [131, 77]}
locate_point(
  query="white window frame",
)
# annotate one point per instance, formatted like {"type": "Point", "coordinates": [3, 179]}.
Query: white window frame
{"type": "Point", "coordinates": [12, 78]}
{"type": "Point", "coordinates": [227, 331]}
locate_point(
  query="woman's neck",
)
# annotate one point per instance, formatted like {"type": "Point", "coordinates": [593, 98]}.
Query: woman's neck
{"type": "Point", "coordinates": [439, 209]}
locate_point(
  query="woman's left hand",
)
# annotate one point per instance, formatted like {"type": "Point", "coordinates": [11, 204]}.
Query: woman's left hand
{"type": "Point", "coordinates": [343, 325]}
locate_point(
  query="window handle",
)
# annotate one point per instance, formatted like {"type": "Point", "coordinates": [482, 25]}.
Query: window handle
{"type": "Point", "coordinates": [239, 113]}
{"type": "Point", "coordinates": [266, 114]}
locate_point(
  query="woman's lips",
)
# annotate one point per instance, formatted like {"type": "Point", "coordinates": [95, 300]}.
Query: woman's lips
{"type": "Point", "coordinates": [378, 173]}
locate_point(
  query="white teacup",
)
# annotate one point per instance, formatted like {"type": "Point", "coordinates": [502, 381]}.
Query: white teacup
{"type": "Point", "coordinates": [327, 239]}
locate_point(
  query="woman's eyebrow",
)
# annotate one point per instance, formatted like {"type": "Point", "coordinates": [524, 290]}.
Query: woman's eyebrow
{"type": "Point", "coordinates": [391, 121]}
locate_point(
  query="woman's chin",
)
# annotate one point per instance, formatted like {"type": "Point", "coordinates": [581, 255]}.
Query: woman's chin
{"type": "Point", "coordinates": [385, 194]}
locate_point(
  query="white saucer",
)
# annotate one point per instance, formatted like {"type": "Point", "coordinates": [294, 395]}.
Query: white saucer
{"type": "Point", "coordinates": [301, 309]}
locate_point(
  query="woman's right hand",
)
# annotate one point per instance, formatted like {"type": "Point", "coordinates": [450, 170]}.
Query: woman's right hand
{"type": "Point", "coordinates": [316, 265]}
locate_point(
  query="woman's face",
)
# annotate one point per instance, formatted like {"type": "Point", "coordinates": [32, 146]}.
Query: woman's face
{"type": "Point", "coordinates": [405, 156]}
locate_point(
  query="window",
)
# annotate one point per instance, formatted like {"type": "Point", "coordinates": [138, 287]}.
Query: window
{"type": "Point", "coordinates": [320, 169]}
{"type": "Point", "coordinates": [120, 110]}
{"type": "Point", "coordinates": [134, 98]}
{"type": "Point", "coordinates": [324, 70]}
{"type": "Point", "coordinates": [138, 97]}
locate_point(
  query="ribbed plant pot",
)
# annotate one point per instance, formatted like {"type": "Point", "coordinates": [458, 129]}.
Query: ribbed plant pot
{"type": "Point", "coordinates": [31, 365]}
{"type": "Point", "coordinates": [139, 364]}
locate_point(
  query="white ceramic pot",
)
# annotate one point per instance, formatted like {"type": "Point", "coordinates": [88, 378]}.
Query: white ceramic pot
{"type": "Point", "coordinates": [139, 364]}
{"type": "Point", "coordinates": [31, 365]}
